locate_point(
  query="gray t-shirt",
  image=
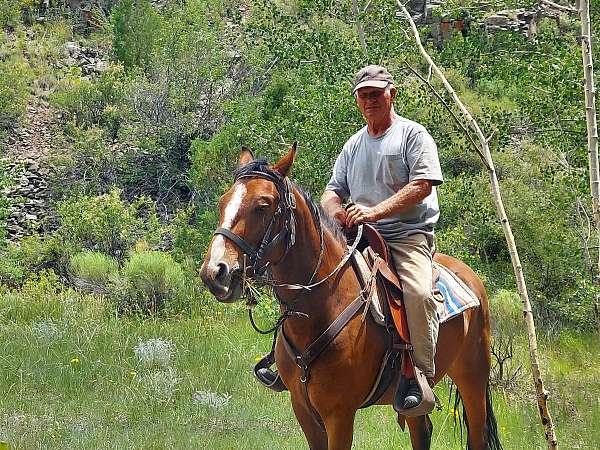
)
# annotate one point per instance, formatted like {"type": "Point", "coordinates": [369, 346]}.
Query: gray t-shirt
{"type": "Point", "coordinates": [370, 170]}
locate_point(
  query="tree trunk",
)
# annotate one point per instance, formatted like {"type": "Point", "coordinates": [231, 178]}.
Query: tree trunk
{"type": "Point", "coordinates": [359, 27]}
{"type": "Point", "coordinates": [592, 129]}
{"type": "Point", "coordinates": [542, 393]}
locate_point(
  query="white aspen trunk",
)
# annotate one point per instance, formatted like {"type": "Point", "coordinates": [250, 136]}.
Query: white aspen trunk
{"type": "Point", "coordinates": [542, 393]}
{"type": "Point", "coordinates": [590, 114]}
{"type": "Point", "coordinates": [359, 27]}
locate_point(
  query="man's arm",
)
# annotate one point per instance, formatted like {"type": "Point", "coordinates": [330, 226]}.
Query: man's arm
{"type": "Point", "coordinates": [407, 197]}
{"type": "Point", "coordinates": [332, 204]}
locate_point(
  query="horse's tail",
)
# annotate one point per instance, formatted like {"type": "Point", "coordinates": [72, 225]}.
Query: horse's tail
{"type": "Point", "coordinates": [493, 440]}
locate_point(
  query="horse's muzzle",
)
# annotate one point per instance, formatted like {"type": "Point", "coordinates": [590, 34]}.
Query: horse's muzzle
{"type": "Point", "coordinates": [221, 281]}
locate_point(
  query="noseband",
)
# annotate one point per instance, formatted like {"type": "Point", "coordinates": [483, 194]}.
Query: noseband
{"type": "Point", "coordinates": [287, 233]}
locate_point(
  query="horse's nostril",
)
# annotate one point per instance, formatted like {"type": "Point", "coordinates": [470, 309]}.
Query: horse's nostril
{"type": "Point", "coordinates": [222, 271]}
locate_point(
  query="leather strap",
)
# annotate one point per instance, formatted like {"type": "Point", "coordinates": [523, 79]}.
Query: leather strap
{"type": "Point", "coordinates": [305, 359]}
{"type": "Point", "coordinates": [238, 241]}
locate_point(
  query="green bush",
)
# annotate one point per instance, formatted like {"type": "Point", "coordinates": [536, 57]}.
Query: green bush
{"type": "Point", "coordinates": [15, 76]}
{"type": "Point", "coordinates": [136, 27]}
{"type": "Point", "coordinates": [188, 239]}
{"type": "Point", "coordinates": [93, 102]}
{"type": "Point", "coordinates": [106, 223]}
{"type": "Point", "coordinates": [93, 270]}
{"type": "Point", "coordinates": [88, 166]}
{"type": "Point", "coordinates": [153, 281]}
{"type": "Point", "coordinates": [10, 13]}
{"type": "Point", "coordinates": [32, 255]}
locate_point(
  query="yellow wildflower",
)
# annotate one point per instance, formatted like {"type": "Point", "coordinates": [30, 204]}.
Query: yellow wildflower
{"type": "Point", "coordinates": [454, 412]}
{"type": "Point", "coordinates": [75, 361]}
{"type": "Point", "coordinates": [132, 373]}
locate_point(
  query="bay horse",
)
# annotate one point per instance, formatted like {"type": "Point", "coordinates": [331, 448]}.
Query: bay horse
{"type": "Point", "coordinates": [267, 219]}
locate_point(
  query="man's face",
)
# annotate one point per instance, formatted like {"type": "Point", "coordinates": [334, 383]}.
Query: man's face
{"type": "Point", "coordinates": [375, 103]}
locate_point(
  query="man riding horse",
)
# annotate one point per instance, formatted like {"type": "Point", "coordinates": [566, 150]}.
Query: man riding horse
{"type": "Point", "coordinates": [389, 170]}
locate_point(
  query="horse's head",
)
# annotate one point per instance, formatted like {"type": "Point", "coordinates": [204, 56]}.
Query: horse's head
{"type": "Point", "coordinates": [256, 225]}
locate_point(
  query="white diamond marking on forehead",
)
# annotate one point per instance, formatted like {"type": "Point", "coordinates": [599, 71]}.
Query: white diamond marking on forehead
{"type": "Point", "coordinates": [231, 210]}
{"type": "Point", "coordinates": [233, 206]}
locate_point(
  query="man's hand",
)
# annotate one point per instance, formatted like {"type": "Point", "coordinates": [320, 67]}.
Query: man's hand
{"type": "Point", "coordinates": [332, 205]}
{"type": "Point", "coordinates": [340, 216]}
{"type": "Point", "coordinates": [356, 214]}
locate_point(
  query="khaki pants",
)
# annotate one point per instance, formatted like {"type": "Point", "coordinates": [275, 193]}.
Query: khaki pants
{"type": "Point", "coordinates": [413, 258]}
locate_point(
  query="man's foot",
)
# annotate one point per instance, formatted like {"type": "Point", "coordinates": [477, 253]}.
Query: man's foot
{"type": "Point", "coordinates": [413, 395]}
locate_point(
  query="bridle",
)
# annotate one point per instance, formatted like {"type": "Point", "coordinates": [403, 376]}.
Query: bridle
{"type": "Point", "coordinates": [285, 211]}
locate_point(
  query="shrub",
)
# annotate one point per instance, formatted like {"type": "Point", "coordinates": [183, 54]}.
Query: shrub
{"type": "Point", "coordinates": [93, 270]}
{"type": "Point", "coordinates": [32, 255]}
{"type": "Point", "coordinates": [89, 167]}
{"type": "Point", "coordinates": [188, 238]}
{"type": "Point", "coordinates": [136, 27]}
{"type": "Point", "coordinates": [106, 223]}
{"type": "Point", "coordinates": [155, 353]}
{"type": "Point", "coordinates": [15, 76]}
{"type": "Point", "coordinates": [10, 13]}
{"type": "Point", "coordinates": [152, 282]}
{"type": "Point", "coordinates": [507, 325]}
{"type": "Point", "coordinates": [92, 102]}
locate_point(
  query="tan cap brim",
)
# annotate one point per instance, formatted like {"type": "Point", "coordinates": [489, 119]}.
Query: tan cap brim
{"type": "Point", "coordinates": [370, 83]}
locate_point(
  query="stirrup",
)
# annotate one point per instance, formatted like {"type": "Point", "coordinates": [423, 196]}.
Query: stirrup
{"type": "Point", "coordinates": [427, 397]}
{"type": "Point", "coordinates": [268, 377]}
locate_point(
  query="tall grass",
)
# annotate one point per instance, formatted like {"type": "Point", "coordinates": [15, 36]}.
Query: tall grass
{"type": "Point", "coordinates": [75, 376]}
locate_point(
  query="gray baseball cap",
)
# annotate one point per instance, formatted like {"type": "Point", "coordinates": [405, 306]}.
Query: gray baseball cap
{"type": "Point", "coordinates": [372, 76]}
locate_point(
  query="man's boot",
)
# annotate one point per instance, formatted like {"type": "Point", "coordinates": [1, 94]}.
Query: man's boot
{"type": "Point", "coordinates": [413, 395]}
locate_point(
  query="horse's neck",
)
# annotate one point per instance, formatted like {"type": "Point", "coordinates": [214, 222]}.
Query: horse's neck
{"type": "Point", "coordinates": [324, 302]}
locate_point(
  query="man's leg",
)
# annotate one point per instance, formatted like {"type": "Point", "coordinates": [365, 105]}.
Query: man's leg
{"type": "Point", "coordinates": [413, 259]}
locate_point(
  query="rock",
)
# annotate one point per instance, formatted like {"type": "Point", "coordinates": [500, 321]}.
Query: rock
{"type": "Point", "coordinates": [497, 20]}
{"type": "Point", "coordinates": [100, 66]}
{"type": "Point", "coordinates": [73, 49]}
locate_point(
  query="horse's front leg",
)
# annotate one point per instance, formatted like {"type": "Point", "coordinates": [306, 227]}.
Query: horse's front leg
{"type": "Point", "coordinates": [315, 435]}
{"type": "Point", "coordinates": [420, 429]}
{"type": "Point", "coordinates": [340, 429]}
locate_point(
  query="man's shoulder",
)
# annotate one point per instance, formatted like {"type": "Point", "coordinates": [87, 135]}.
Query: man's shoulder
{"type": "Point", "coordinates": [410, 126]}
{"type": "Point", "coordinates": [350, 144]}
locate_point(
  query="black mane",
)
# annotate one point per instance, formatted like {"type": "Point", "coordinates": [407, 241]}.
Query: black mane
{"type": "Point", "coordinates": [318, 214]}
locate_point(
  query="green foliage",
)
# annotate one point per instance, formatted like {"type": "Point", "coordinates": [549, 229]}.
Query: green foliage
{"type": "Point", "coordinates": [88, 165]}
{"type": "Point", "coordinates": [93, 102]}
{"type": "Point", "coordinates": [153, 281]}
{"type": "Point", "coordinates": [15, 76]}
{"type": "Point", "coordinates": [31, 256]}
{"type": "Point", "coordinates": [136, 26]}
{"type": "Point", "coordinates": [187, 237]}
{"type": "Point", "coordinates": [93, 269]}
{"type": "Point", "coordinates": [106, 223]}
{"type": "Point", "coordinates": [10, 13]}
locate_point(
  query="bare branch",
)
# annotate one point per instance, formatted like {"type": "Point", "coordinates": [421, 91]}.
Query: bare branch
{"type": "Point", "coordinates": [542, 393]}
{"type": "Point", "coordinates": [443, 102]}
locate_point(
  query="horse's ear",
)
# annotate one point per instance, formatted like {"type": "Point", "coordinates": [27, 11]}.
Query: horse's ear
{"type": "Point", "coordinates": [284, 165]}
{"type": "Point", "coordinates": [245, 156]}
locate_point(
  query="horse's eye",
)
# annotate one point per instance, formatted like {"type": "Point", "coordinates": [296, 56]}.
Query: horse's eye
{"type": "Point", "coordinates": [261, 207]}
